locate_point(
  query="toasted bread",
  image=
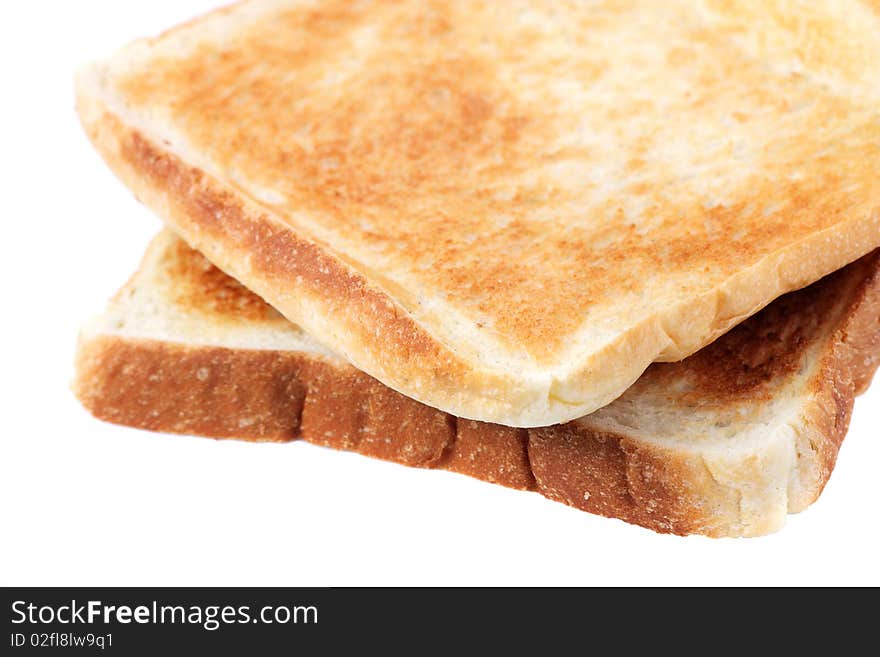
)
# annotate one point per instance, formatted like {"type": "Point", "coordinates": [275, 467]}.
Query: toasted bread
{"type": "Point", "coordinates": [507, 210]}
{"type": "Point", "coordinates": [724, 443]}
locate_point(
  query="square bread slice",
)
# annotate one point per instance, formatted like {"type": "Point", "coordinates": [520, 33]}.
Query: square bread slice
{"type": "Point", "coordinates": [507, 210]}
{"type": "Point", "coordinates": [724, 443]}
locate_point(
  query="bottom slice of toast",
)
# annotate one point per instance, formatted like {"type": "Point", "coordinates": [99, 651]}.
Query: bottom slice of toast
{"type": "Point", "coordinates": [724, 443]}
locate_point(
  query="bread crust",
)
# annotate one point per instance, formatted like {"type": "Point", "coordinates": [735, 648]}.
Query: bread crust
{"type": "Point", "coordinates": [264, 395]}
{"type": "Point", "coordinates": [278, 396]}
{"type": "Point", "coordinates": [360, 314]}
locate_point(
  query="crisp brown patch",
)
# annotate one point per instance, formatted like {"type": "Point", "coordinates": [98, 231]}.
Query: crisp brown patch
{"type": "Point", "coordinates": [220, 393]}
{"type": "Point", "coordinates": [196, 284]}
{"type": "Point", "coordinates": [491, 452]}
{"type": "Point", "coordinates": [346, 409]}
{"type": "Point", "coordinates": [620, 478]}
{"type": "Point", "coordinates": [768, 347]}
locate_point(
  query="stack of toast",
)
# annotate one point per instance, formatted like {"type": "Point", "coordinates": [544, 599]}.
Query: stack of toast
{"type": "Point", "coordinates": [621, 254]}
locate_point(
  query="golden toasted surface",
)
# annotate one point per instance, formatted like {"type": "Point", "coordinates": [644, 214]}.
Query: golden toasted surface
{"type": "Point", "coordinates": [195, 285]}
{"type": "Point", "coordinates": [540, 167]}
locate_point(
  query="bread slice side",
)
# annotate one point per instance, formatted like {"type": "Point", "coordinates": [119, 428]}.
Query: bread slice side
{"type": "Point", "coordinates": [185, 349]}
{"type": "Point", "coordinates": [422, 336]}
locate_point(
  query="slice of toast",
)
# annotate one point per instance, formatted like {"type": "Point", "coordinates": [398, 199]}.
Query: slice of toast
{"type": "Point", "coordinates": [724, 443]}
{"type": "Point", "coordinates": [507, 210]}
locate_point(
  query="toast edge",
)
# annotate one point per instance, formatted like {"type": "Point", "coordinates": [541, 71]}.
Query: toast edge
{"type": "Point", "coordinates": [218, 222]}
{"type": "Point", "coordinates": [283, 396]}
{"type": "Point", "coordinates": [688, 492]}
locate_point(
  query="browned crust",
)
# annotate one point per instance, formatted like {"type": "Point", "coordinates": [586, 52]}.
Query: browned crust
{"type": "Point", "coordinates": [846, 371]}
{"type": "Point", "coordinates": [221, 393]}
{"type": "Point", "coordinates": [618, 477]}
{"type": "Point", "coordinates": [280, 396]}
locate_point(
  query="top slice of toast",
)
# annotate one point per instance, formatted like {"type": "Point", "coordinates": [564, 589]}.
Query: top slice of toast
{"type": "Point", "coordinates": [507, 210]}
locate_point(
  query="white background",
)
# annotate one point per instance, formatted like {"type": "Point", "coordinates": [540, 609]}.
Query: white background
{"type": "Point", "coordinates": [82, 502]}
